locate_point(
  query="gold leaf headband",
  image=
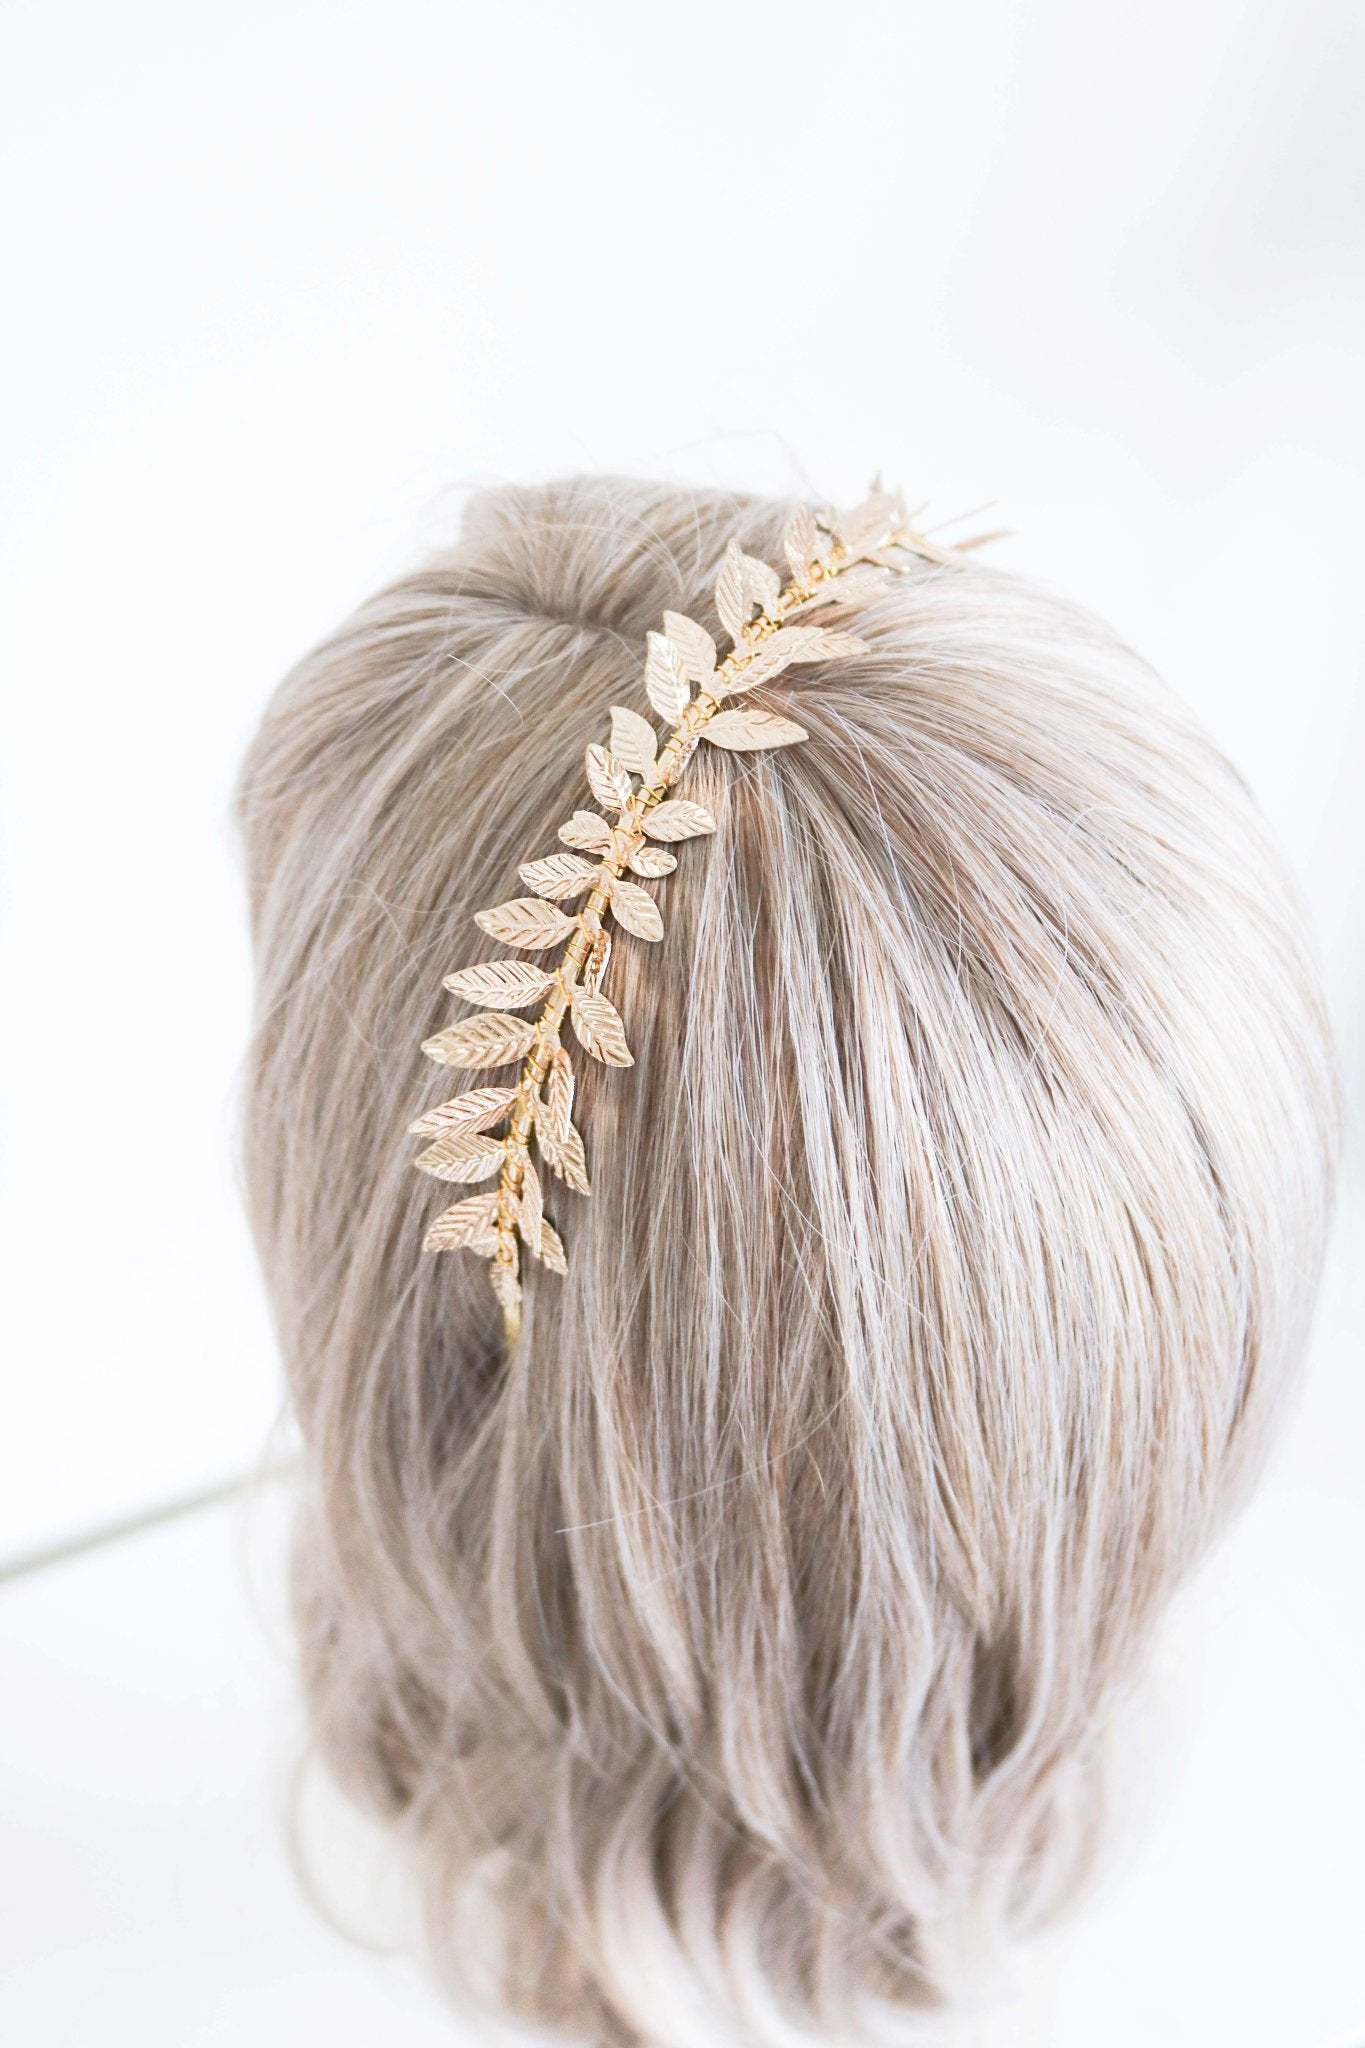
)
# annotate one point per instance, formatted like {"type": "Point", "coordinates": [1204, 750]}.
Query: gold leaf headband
{"type": "Point", "coordinates": [686, 681]}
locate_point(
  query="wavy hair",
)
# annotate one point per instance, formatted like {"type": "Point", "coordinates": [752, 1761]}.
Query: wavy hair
{"type": "Point", "coordinates": [746, 1639]}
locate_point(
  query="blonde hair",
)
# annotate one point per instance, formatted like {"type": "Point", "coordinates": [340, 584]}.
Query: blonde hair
{"type": "Point", "coordinates": [748, 1636]}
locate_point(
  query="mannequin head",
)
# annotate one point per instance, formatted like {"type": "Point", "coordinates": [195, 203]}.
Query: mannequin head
{"type": "Point", "coordinates": [746, 1637]}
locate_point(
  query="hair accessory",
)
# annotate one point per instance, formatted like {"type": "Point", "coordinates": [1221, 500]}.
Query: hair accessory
{"type": "Point", "coordinates": [832, 560]}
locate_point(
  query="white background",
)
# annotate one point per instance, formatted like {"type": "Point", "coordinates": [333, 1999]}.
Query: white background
{"type": "Point", "coordinates": [281, 281]}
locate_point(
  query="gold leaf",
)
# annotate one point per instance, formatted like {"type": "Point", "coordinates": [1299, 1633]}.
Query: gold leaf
{"type": "Point", "coordinates": [731, 605]}
{"type": "Point", "coordinates": [793, 644]}
{"type": "Point", "coordinates": [473, 1111]}
{"type": "Point", "coordinates": [587, 831]}
{"type": "Point", "coordinates": [694, 645]}
{"type": "Point", "coordinates": [600, 1030]}
{"type": "Point", "coordinates": [608, 778]}
{"type": "Point", "coordinates": [565, 1156]}
{"type": "Point", "coordinates": [869, 525]}
{"type": "Point", "coordinates": [678, 818]}
{"type": "Point", "coordinates": [487, 1041]}
{"type": "Point", "coordinates": [750, 730]}
{"type": "Point", "coordinates": [799, 542]}
{"type": "Point", "coordinates": [550, 1140]}
{"type": "Point", "coordinates": [633, 740]}
{"type": "Point", "coordinates": [827, 645]}
{"type": "Point", "coordinates": [768, 661]}
{"type": "Point", "coordinates": [463, 1158]}
{"type": "Point", "coordinates": [556, 1111]}
{"type": "Point", "coordinates": [471, 1224]}
{"type": "Point", "coordinates": [552, 1248]}
{"type": "Point", "coordinates": [526, 921]}
{"type": "Point", "coordinates": [595, 964]}
{"type": "Point", "coordinates": [743, 583]}
{"type": "Point", "coordinates": [531, 1208]}
{"type": "Point", "coordinates": [666, 684]}
{"type": "Point", "coordinates": [558, 875]}
{"type": "Point", "coordinates": [652, 860]}
{"type": "Point", "coordinates": [636, 909]}
{"type": "Point", "coordinates": [762, 585]}
{"type": "Point", "coordinates": [854, 586]}
{"type": "Point", "coordinates": [575, 1165]}
{"type": "Point", "coordinates": [514, 982]}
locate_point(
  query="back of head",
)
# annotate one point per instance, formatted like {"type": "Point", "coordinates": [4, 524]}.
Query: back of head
{"type": "Point", "coordinates": [748, 1633]}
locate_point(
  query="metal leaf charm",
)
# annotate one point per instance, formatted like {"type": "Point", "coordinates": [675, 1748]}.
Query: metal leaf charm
{"type": "Point", "coordinates": [470, 1225]}
{"type": "Point", "coordinates": [473, 1111]}
{"type": "Point", "coordinates": [531, 1208]}
{"type": "Point", "coordinates": [694, 646]}
{"type": "Point", "coordinates": [463, 1158]}
{"type": "Point", "coordinates": [870, 524]}
{"type": "Point", "coordinates": [824, 643]}
{"type": "Point", "coordinates": [633, 740]}
{"type": "Point", "coordinates": [636, 909]}
{"type": "Point", "coordinates": [768, 661]}
{"type": "Point", "coordinates": [552, 1248]}
{"type": "Point", "coordinates": [558, 876]}
{"type": "Point", "coordinates": [666, 684]}
{"type": "Point", "coordinates": [573, 1168]}
{"type": "Point", "coordinates": [793, 644]}
{"type": "Point", "coordinates": [526, 921]}
{"type": "Point", "coordinates": [762, 585]}
{"type": "Point", "coordinates": [600, 1030]}
{"type": "Point", "coordinates": [587, 831]}
{"type": "Point", "coordinates": [855, 586]}
{"type": "Point", "coordinates": [608, 779]}
{"type": "Point", "coordinates": [595, 966]}
{"type": "Point", "coordinates": [565, 1157]}
{"type": "Point", "coordinates": [744, 583]}
{"type": "Point", "coordinates": [799, 542]}
{"type": "Point", "coordinates": [677, 818]}
{"type": "Point", "coordinates": [488, 1041]}
{"type": "Point", "coordinates": [731, 605]}
{"type": "Point", "coordinates": [651, 860]}
{"type": "Point", "coordinates": [556, 1110]}
{"type": "Point", "coordinates": [514, 982]}
{"type": "Point", "coordinates": [750, 731]}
